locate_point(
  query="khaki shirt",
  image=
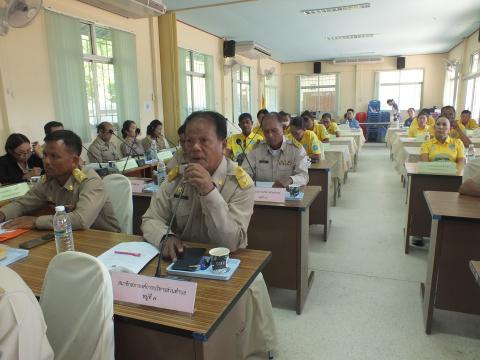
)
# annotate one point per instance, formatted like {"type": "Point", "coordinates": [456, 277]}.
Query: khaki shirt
{"type": "Point", "coordinates": [290, 162]}
{"type": "Point", "coordinates": [84, 190]}
{"type": "Point", "coordinates": [162, 143]}
{"type": "Point", "coordinates": [23, 332]}
{"type": "Point", "coordinates": [103, 151]}
{"type": "Point", "coordinates": [178, 158]}
{"type": "Point", "coordinates": [219, 218]}
{"type": "Point", "coordinates": [472, 171]}
{"type": "Point", "coordinates": [133, 149]}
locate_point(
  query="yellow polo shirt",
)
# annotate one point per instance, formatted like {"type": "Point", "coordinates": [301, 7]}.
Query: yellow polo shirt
{"type": "Point", "coordinates": [416, 131]}
{"type": "Point", "coordinates": [287, 131]}
{"type": "Point", "coordinates": [309, 141]}
{"type": "Point", "coordinates": [258, 130]}
{"type": "Point", "coordinates": [450, 150]}
{"type": "Point", "coordinates": [454, 134]}
{"type": "Point", "coordinates": [332, 128]}
{"type": "Point", "coordinates": [321, 131]}
{"type": "Point", "coordinates": [471, 124]}
{"type": "Point", "coordinates": [430, 122]}
{"type": "Point", "coordinates": [248, 142]}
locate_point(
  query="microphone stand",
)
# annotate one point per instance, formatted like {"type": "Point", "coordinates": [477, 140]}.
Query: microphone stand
{"type": "Point", "coordinates": [129, 146]}
{"type": "Point", "coordinates": [102, 171]}
{"type": "Point", "coordinates": [239, 142]}
{"type": "Point", "coordinates": [161, 245]}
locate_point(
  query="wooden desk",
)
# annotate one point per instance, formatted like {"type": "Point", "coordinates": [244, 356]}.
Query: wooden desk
{"type": "Point", "coordinates": [419, 221]}
{"type": "Point", "coordinates": [454, 240]}
{"type": "Point", "coordinates": [320, 175]}
{"type": "Point", "coordinates": [283, 230]}
{"type": "Point", "coordinates": [352, 147]}
{"type": "Point", "coordinates": [475, 267]}
{"type": "Point", "coordinates": [144, 171]}
{"type": "Point", "coordinates": [141, 202]}
{"type": "Point", "coordinates": [145, 333]}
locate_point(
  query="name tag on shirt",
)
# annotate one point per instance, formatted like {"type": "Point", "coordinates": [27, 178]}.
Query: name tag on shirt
{"type": "Point", "coordinates": [264, 161]}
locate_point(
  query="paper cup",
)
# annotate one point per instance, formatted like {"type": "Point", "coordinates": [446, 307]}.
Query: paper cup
{"type": "Point", "coordinates": [219, 259]}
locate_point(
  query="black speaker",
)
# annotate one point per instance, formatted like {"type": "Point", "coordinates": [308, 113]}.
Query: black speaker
{"type": "Point", "coordinates": [229, 48]}
{"type": "Point", "coordinates": [317, 67]}
{"type": "Point", "coordinates": [400, 62]}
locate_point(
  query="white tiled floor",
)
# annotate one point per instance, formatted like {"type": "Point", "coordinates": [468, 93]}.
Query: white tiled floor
{"type": "Point", "coordinates": [365, 302]}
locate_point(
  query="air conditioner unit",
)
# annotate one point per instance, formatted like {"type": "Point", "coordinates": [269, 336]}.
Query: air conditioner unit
{"type": "Point", "coordinates": [134, 9]}
{"type": "Point", "coordinates": [358, 60]}
{"type": "Point", "coordinates": [252, 50]}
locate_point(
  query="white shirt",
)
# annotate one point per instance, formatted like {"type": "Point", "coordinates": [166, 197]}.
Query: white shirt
{"type": "Point", "coordinates": [22, 326]}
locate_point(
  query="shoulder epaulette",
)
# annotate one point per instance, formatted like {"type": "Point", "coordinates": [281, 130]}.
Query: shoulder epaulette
{"type": "Point", "coordinates": [43, 179]}
{"type": "Point", "coordinates": [244, 180]}
{"type": "Point", "coordinates": [294, 142]}
{"type": "Point", "coordinates": [172, 174]}
{"type": "Point", "coordinates": [79, 175]}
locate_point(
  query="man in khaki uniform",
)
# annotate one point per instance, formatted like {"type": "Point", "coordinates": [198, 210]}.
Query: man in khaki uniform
{"type": "Point", "coordinates": [102, 148]}
{"type": "Point", "coordinates": [82, 192]}
{"type": "Point", "coordinates": [179, 157]}
{"type": "Point", "coordinates": [215, 202]}
{"type": "Point", "coordinates": [277, 158]}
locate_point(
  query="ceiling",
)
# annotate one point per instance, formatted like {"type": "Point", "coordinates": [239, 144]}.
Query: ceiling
{"type": "Point", "coordinates": [400, 27]}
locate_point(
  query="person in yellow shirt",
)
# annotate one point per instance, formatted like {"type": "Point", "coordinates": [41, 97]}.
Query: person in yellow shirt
{"type": "Point", "coordinates": [318, 129]}
{"type": "Point", "coordinates": [422, 129]}
{"type": "Point", "coordinates": [257, 129]}
{"type": "Point", "coordinates": [457, 130]}
{"type": "Point", "coordinates": [285, 119]}
{"type": "Point", "coordinates": [331, 127]}
{"type": "Point", "coordinates": [430, 119]}
{"type": "Point", "coordinates": [237, 143]}
{"type": "Point", "coordinates": [307, 138]}
{"type": "Point", "coordinates": [443, 147]}
{"type": "Point", "coordinates": [467, 121]}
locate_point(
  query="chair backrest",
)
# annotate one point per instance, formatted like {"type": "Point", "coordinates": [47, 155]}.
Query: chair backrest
{"type": "Point", "coordinates": [119, 190]}
{"type": "Point", "coordinates": [77, 303]}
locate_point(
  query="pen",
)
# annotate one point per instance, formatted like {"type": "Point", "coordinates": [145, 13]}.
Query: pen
{"type": "Point", "coordinates": [127, 253]}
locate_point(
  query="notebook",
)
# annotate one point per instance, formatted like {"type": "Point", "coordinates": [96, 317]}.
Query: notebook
{"type": "Point", "coordinates": [14, 255]}
{"type": "Point", "coordinates": [132, 256]}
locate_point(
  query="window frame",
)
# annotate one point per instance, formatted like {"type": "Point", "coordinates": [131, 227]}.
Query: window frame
{"type": "Point", "coordinates": [399, 84]}
{"type": "Point", "coordinates": [270, 84]}
{"type": "Point", "coordinates": [474, 77]}
{"type": "Point", "coordinates": [190, 74]}
{"type": "Point", "coordinates": [317, 109]}
{"type": "Point", "coordinates": [241, 82]}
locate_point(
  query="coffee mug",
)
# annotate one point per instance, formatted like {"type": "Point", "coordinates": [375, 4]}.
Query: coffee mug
{"type": "Point", "coordinates": [294, 190]}
{"type": "Point", "coordinates": [219, 259]}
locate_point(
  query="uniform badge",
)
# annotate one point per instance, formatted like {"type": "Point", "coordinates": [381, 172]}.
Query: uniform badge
{"type": "Point", "coordinates": [315, 147]}
{"type": "Point", "coordinates": [451, 146]}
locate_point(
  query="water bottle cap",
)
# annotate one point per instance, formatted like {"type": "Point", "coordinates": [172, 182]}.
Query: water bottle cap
{"type": "Point", "coordinates": [59, 208]}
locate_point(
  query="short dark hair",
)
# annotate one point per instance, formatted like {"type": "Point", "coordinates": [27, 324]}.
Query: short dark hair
{"type": "Point", "coordinates": [353, 111]}
{"type": "Point", "coordinates": [126, 126]}
{"type": "Point", "coordinates": [71, 140]}
{"type": "Point", "coordinates": [447, 107]}
{"type": "Point", "coordinates": [298, 122]}
{"type": "Point", "coordinates": [218, 120]}
{"type": "Point", "coordinates": [326, 115]}
{"type": "Point", "coordinates": [152, 126]}
{"type": "Point", "coordinates": [14, 141]}
{"type": "Point", "coordinates": [467, 112]}
{"type": "Point", "coordinates": [262, 111]}
{"type": "Point", "coordinates": [308, 114]}
{"type": "Point", "coordinates": [245, 116]}
{"type": "Point", "coordinates": [424, 112]}
{"type": "Point", "coordinates": [273, 115]}
{"type": "Point", "coordinates": [411, 109]}
{"type": "Point", "coordinates": [181, 129]}
{"type": "Point", "coordinates": [47, 128]}
{"type": "Point", "coordinates": [101, 126]}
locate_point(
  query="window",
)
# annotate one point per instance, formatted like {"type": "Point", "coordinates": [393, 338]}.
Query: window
{"type": "Point", "coordinates": [270, 92]}
{"type": "Point", "coordinates": [196, 85]}
{"type": "Point", "coordinates": [472, 98]}
{"type": "Point", "coordinates": [403, 86]}
{"type": "Point", "coordinates": [97, 47]}
{"type": "Point", "coordinates": [450, 91]}
{"type": "Point", "coordinates": [318, 93]}
{"type": "Point", "coordinates": [241, 90]}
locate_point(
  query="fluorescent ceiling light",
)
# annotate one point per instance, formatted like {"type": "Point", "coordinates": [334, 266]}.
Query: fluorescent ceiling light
{"type": "Point", "coordinates": [336, 9]}
{"type": "Point", "coordinates": [349, 37]}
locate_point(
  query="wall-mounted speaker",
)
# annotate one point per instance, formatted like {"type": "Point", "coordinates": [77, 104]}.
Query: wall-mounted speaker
{"type": "Point", "coordinates": [229, 48]}
{"type": "Point", "coordinates": [400, 62]}
{"type": "Point", "coordinates": [317, 67]}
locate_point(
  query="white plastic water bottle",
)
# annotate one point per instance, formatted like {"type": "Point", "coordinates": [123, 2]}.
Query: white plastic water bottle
{"type": "Point", "coordinates": [471, 152]}
{"type": "Point", "coordinates": [62, 227]}
{"type": "Point", "coordinates": [153, 151]}
{"type": "Point", "coordinates": [161, 171]}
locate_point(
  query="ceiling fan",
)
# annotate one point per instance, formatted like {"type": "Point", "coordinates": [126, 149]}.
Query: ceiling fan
{"type": "Point", "coordinates": [18, 13]}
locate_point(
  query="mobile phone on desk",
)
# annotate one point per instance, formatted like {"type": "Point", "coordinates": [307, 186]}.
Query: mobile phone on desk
{"type": "Point", "coordinates": [190, 261]}
{"type": "Point", "coordinates": [30, 244]}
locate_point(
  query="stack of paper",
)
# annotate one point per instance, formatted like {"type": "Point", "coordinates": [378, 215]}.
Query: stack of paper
{"type": "Point", "coordinates": [129, 256]}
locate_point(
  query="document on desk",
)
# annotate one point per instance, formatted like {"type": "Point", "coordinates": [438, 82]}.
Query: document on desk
{"type": "Point", "coordinates": [133, 255]}
{"type": "Point", "coordinates": [13, 255]}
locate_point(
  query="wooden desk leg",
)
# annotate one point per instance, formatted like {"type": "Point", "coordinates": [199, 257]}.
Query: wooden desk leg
{"type": "Point", "coordinates": [339, 188]}
{"type": "Point", "coordinates": [410, 203]}
{"type": "Point", "coordinates": [335, 191]}
{"type": "Point", "coordinates": [430, 286]}
{"type": "Point", "coordinates": [304, 275]}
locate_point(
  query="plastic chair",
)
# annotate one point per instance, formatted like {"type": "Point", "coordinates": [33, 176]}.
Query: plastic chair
{"type": "Point", "coordinates": [119, 190]}
{"type": "Point", "coordinates": [23, 329]}
{"type": "Point", "coordinates": [77, 302]}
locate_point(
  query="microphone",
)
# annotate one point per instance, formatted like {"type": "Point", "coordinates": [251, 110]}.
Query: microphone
{"type": "Point", "coordinates": [239, 142]}
{"type": "Point", "coordinates": [102, 171]}
{"type": "Point", "coordinates": [163, 241]}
